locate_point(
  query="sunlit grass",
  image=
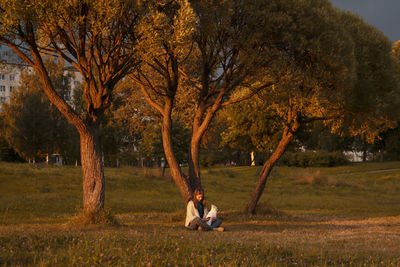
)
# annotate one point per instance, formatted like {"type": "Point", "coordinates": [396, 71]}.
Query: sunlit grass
{"type": "Point", "coordinates": [315, 216]}
{"type": "Point", "coordinates": [36, 194]}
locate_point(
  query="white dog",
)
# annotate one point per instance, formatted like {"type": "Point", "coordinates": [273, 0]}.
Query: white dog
{"type": "Point", "coordinates": [212, 214]}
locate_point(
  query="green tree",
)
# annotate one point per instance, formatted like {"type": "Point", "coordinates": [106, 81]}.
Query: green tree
{"type": "Point", "coordinates": [193, 70]}
{"type": "Point", "coordinates": [388, 142]}
{"type": "Point", "coordinates": [7, 153]}
{"type": "Point", "coordinates": [165, 32]}
{"type": "Point", "coordinates": [28, 125]}
{"type": "Point", "coordinates": [151, 145]}
{"type": "Point", "coordinates": [372, 104]}
{"type": "Point", "coordinates": [95, 37]}
{"type": "Point", "coordinates": [32, 125]}
{"type": "Point", "coordinates": [251, 126]}
{"type": "Point", "coordinates": [391, 144]}
{"type": "Point", "coordinates": [319, 73]}
{"type": "Point", "coordinates": [224, 63]}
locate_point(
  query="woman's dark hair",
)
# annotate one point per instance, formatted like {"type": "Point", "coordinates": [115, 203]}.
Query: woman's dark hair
{"type": "Point", "coordinates": [196, 192]}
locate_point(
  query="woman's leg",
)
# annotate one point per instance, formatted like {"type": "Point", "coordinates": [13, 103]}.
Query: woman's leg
{"type": "Point", "coordinates": [196, 222]}
{"type": "Point", "coordinates": [216, 223]}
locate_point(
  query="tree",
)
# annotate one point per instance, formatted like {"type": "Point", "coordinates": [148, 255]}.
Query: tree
{"type": "Point", "coordinates": [165, 32]}
{"type": "Point", "coordinates": [151, 146]}
{"type": "Point", "coordinates": [388, 142]}
{"type": "Point", "coordinates": [224, 64]}
{"type": "Point", "coordinates": [114, 135]}
{"type": "Point", "coordinates": [195, 69]}
{"type": "Point", "coordinates": [27, 124]}
{"type": "Point", "coordinates": [32, 125]}
{"type": "Point", "coordinates": [96, 38]}
{"type": "Point", "coordinates": [391, 144]}
{"type": "Point", "coordinates": [319, 73]}
{"type": "Point", "coordinates": [375, 94]}
{"type": "Point", "coordinates": [251, 126]}
{"type": "Point", "coordinates": [7, 153]}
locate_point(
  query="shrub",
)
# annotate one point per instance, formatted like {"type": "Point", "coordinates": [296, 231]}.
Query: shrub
{"type": "Point", "coordinates": [313, 159]}
{"type": "Point", "coordinates": [211, 158]}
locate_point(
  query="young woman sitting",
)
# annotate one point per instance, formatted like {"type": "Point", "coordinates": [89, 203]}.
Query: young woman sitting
{"type": "Point", "coordinates": [196, 213]}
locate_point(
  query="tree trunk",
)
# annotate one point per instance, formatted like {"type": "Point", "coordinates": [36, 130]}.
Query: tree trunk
{"type": "Point", "coordinates": [194, 164]}
{"type": "Point", "coordinates": [287, 137]}
{"type": "Point", "coordinates": [93, 174]}
{"type": "Point", "coordinates": [364, 157]}
{"type": "Point", "coordinates": [201, 122]}
{"type": "Point", "coordinates": [92, 166]}
{"type": "Point", "coordinates": [382, 151]}
{"type": "Point", "coordinates": [176, 172]}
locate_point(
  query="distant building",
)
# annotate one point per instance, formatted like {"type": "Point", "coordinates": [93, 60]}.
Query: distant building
{"type": "Point", "coordinates": [10, 78]}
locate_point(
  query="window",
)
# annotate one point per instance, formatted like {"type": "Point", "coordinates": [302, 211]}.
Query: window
{"type": "Point", "coordinates": [11, 89]}
{"type": "Point", "coordinates": [76, 83]}
{"type": "Point", "coordinates": [2, 77]}
{"type": "Point", "coordinates": [12, 77]}
{"type": "Point", "coordinates": [2, 88]}
{"type": "Point", "coordinates": [2, 99]}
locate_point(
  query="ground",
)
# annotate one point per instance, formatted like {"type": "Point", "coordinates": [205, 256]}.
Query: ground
{"type": "Point", "coordinates": [309, 217]}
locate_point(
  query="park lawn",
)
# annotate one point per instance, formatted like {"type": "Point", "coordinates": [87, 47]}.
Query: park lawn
{"type": "Point", "coordinates": [345, 215]}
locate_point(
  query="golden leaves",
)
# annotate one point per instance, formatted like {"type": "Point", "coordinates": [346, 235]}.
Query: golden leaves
{"type": "Point", "coordinates": [166, 28]}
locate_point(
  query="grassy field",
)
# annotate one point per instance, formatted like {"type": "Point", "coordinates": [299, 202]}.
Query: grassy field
{"type": "Point", "coordinates": [309, 217]}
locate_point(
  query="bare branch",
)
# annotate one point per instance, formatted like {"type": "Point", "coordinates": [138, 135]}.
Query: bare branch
{"type": "Point", "coordinates": [18, 51]}
{"type": "Point", "coordinates": [160, 71]}
{"type": "Point", "coordinates": [147, 95]}
{"type": "Point", "coordinates": [195, 82]}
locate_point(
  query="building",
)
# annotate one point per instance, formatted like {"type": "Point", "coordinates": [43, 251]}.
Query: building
{"type": "Point", "coordinates": [10, 77]}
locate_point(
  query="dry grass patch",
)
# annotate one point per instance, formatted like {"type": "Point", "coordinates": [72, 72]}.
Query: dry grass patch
{"type": "Point", "coordinates": [148, 238]}
{"type": "Point", "coordinates": [83, 219]}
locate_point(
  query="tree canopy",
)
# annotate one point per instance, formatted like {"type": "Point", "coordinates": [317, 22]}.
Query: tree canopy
{"type": "Point", "coordinates": [97, 38]}
{"type": "Point", "coordinates": [32, 125]}
{"type": "Point", "coordinates": [317, 59]}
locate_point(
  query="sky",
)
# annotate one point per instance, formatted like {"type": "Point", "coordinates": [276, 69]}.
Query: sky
{"type": "Point", "coordinates": [383, 14]}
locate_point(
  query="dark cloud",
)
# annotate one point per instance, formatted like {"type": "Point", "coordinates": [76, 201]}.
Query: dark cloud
{"type": "Point", "coordinates": [383, 14]}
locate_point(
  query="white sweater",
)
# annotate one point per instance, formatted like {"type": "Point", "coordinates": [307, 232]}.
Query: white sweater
{"type": "Point", "coordinates": [192, 212]}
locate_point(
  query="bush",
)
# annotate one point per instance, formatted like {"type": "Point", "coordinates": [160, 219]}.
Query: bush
{"type": "Point", "coordinates": [313, 159]}
{"type": "Point", "coordinates": [211, 158]}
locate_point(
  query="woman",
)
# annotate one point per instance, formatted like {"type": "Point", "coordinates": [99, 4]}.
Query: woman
{"type": "Point", "coordinates": [195, 214]}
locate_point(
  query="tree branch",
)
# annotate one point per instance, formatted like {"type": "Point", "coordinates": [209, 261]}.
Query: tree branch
{"type": "Point", "coordinates": [21, 54]}
{"type": "Point", "coordinates": [324, 118]}
{"type": "Point", "coordinates": [149, 100]}
{"type": "Point", "coordinates": [248, 96]}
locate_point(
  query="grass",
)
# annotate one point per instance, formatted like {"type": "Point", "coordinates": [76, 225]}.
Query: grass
{"type": "Point", "coordinates": [316, 216]}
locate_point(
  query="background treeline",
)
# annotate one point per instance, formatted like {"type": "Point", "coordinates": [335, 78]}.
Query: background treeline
{"type": "Point", "coordinates": [31, 129]}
